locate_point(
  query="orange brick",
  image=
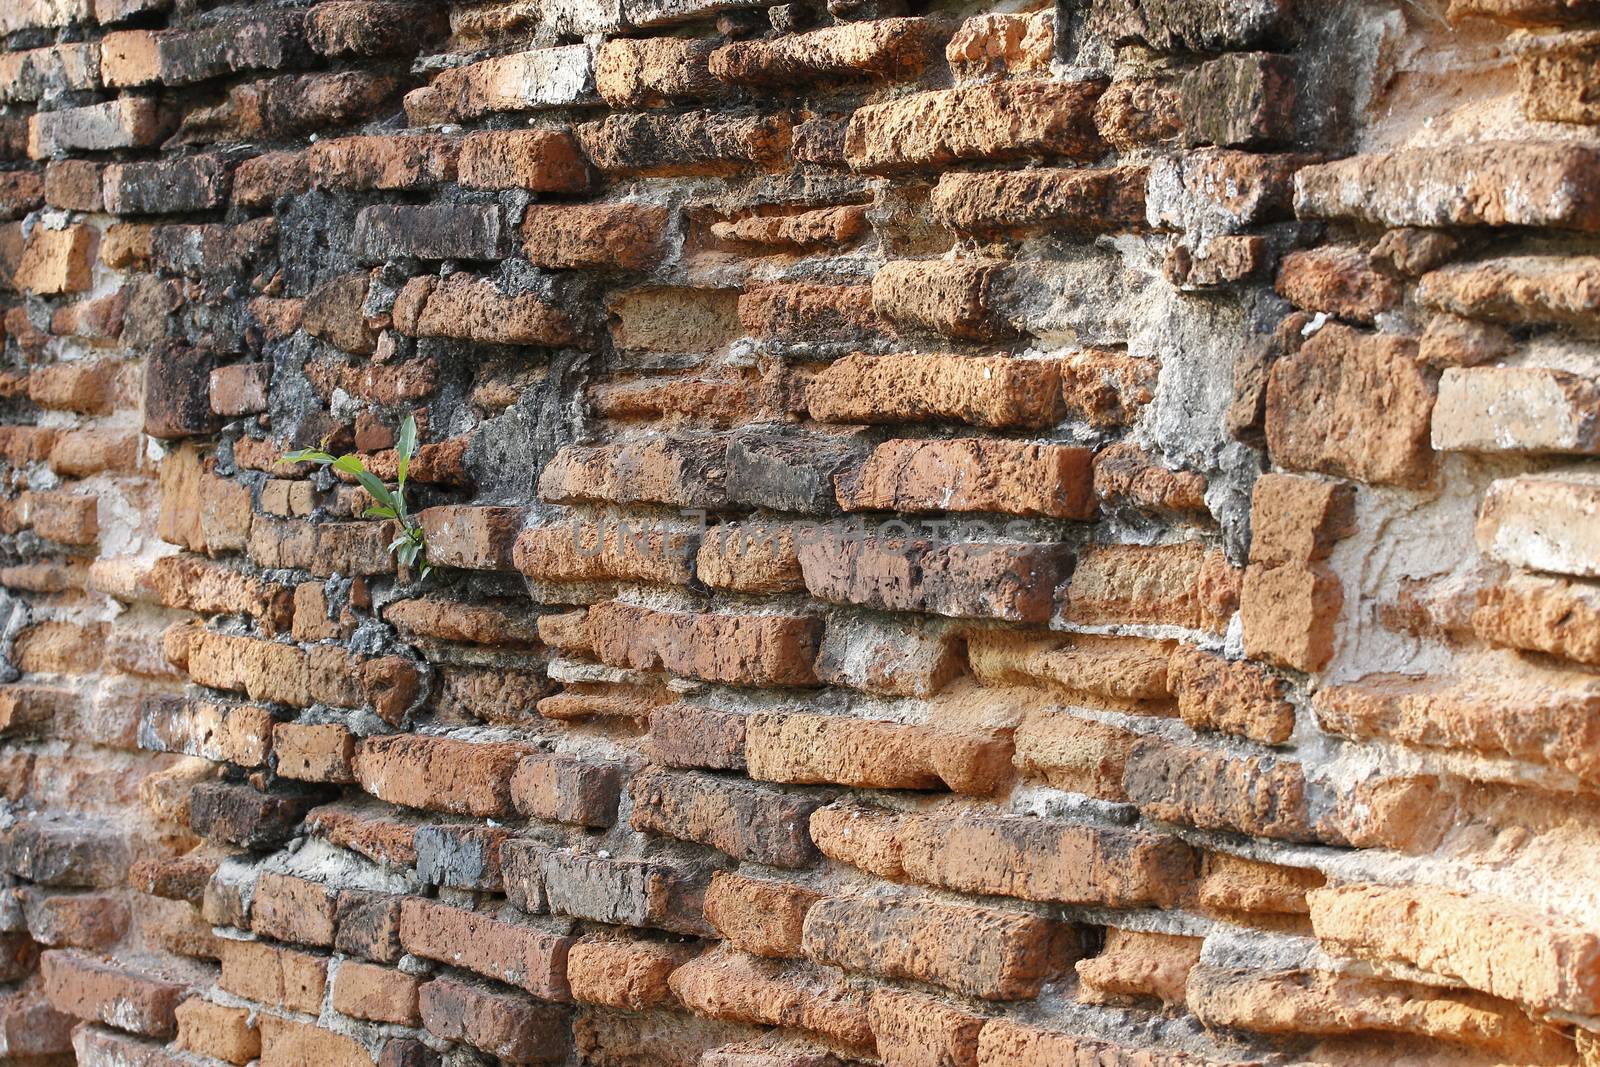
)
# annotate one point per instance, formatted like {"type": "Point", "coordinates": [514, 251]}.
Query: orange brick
{"type": "Point", "coordinates": [217, 1031]}
{"type": "Point", "coordinates": [381, 994]}
{"type": "Point", "coordinates": [56, 261]}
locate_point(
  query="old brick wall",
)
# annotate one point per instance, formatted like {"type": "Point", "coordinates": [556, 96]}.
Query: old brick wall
{"type": "Point", "coordinates": [969, 536]}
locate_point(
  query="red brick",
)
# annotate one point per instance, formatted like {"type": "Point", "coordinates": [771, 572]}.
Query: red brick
{"type": "Point", "coordinates": [726, 984]}
{"type": "Point", "coordinates": [116, 994]}
{"type": "Point", "coordinates": [811, 749]}
{"type": "Point", "coordinates": [56, 261]}
{"type": "Point", "coordinates": [513, 1027]}
{"type": "Point", "coordinates": [570, 789]}
{"type": "Point", "coordinates": [1290, 614]}
{"type": "Point", "coordinates": [527, 957]}
{"type": "Point", "coordinates": [914, 1030]}
{"type": "Point", "coordinates": [988, 391]}
{"type": "Point", "coordinates": [286, 1043]}
{"type": "Point", "coordinates": [474, 309]}
{"type": "Point", "coordinates": [314, 753]}
{"type": "Point", "coordinates": [972, 474]}
{"type": "Point", "coordinates": [403, 162]}
{"type": "Point", "coordinates": [216, 1030]}
{"type": "Point", "coordinates": [735, 649]}
{"type": "Point", "coordinates": [289, 908]}
{"type": "Point", "coordinates": [624, 236]}
{"type": "Point", "coordinates": [624, 973]}
{"type": "Point", "coordinates": [474, 538]}
{"type": "Point", "coordinates": [279, 977]}
{"type": "Point", "coordinates": [440, 774]}
{"type": "Point", "coordinates": [365, 991]}
{"type": "Point", "coordinates": [760, 917]}
{"type": "Point", "coordinates": [745, 820]}
{"type": "Point", "coordinates": [543, 161]}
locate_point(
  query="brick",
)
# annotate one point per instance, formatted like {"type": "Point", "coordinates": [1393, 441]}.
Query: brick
{"type": "Point", "coordinates": [239, 389]}
{"type": "Point", "coordinates": [1322, 415]}
{"type": "Point", "coordinates": [377, 162]}
{"type": "Point", "coordinates": [78, 920]}
{"type": "Point", "coordinates": [674, 320]}
{"type": "Point", "coordinates": [655, 71]}
{"type": "Point", "coordinates": [625, 236]}
{"type": "Point", "coordinates": [140, 57]}
{"type": "Point", "coordinates": [261, 180]}
{"type": "Point", "coordinates": [314, 752]}
{"type": "Point", "coordinates": [889, 656]}
{"type": "Point", "coordinates": [624, 974]}
{"type": "Point", "coordinates": [1508, 949]}
{"type": "Point", "coordinates": [735, 649]}
{"type": "Point", "coordinates": [474, 309]}
{"type": "Point", "coordinates": [286, 1043]}
{"type": "Point", "coordinates": [368, 924]}
{"type": "Point", "coordinates": [510, 1026]}
{"type": "Point", "coordinates": [746, 821]}
{"type": "Point", "coordinates": [1548, 615]}
{"type": "Point", "coordinates": [1126, 476]}
{"type": "Point", "coordinates": [75, 184]}
{"type": "Point", "coordinates": [1238, 99]}
{"type": "Point", "coordinates": [1238, 697]}
{"type": "Point", "coordinates": [112, 993]}
{"type": "Point", "coordinates": [1013, 582]}
{"type": "Point", "coordinates": [1337, 280]}
{"type": "Point", "coordinates": [290, 908]}
{"type": "Point", "coordinates": [889, 49]}
{"type": "Point", "coordinates": [29, 710]}
{"type": "Point", "coordinates": [1514, 409]}
{"type": "Point", "coordinates": [335, 313]}
{"type": "Point", "coordinates": [1005, 1043]}
{"type": "Point", "coordinates": [1215, 790]}
{"type": "Point", "coordinates": [283, 107]}
{"type": "Point", "coordinates": [749, 558]}
{"type": "Point", "coordinates": [495, 622]}
{"type": "Point", "coordinates": [915, 1030]}
{"type": "Point", "coordinates": [371, 28]}
{"type": "Point", "coordinates": [664, 893]}
{"type": "Point", "coordinates": [126, 122]}
{"type": "Point", "coordinates": [82, 453]}
{"type": "Point", "coordinates": [686, 145]}
{"type": "Point", "coordinates": [1554, 77]}
{"type": "Point", "coordinates": [370, 832]}
{"type": "Point", "coordinates": [987, 122]}
{"type": "Point", "coordinates": [981, 952]}
{"type": "Point", "coordinates": [66, 518]}
{"type": "Point", "coordinates": [806, 313]}
{"type": "Point", "coordinates": [726, 984]}
{"type": "Point", "coordinates": [463, 857]}
{"type": "Point", "coordinates": [1485, 184]}
{"type": "Point", "coordinates": [240, 815]}
{"type": "Point", "coordinates": [589, 551]}
{"type": "Point", "coordinates": [473, 538]}
{"type": "Point", "coordinates": [541, 161]}
{"type": "Point", "coordinates": [218, 1031]}
{"type": "Point", "coordinates": [56, 261]}
{"type": "Point", "coordinates": [166, 187]}
{"type": "Point", "coordinates": [1267, 1001]}
{"type": "Point", "coordinates": [822, 227]}
{"type": "Point", "coordinates": [529, 958]}
{"type": "Point", "coordinates": [1523, 12]}
{"type": "Point", "coordinates": [1081, 202]}
{"type": "Point", "coordinates": [996, 43]}
{"type": "Point", "coordinates": [972, 474]}
{"type": "Point", "coordinates": [521, 81]}
{"type": "Point", "coordinates": [569, 789]}
{"type": "Point", "coordinates": [177, 398]}
{"type": "Point", "coordinates": [63, 852]}
{"type": "Point", "coordinates": [1290, 614]}
{"type": "Point", "coordinates": [1297, 520]}
{"type": "Point", "coordinates": [440, 773]}
{"type": "Point", "coordinates": [787, 470]}
{"type": "Point", "coordinates": [1516, 290]}
{"type": "Point", "coordinates": [955, 298]}
{"type": "Point", "coordinates": [432, 231]}
{"type": "Point", "coordinates": [1539, 522]}
{"type": "Point", "coordinates": [811, 749]}
{"type": "Point", "coordinates": [366, 991]}
{"type": "Point", "coordinates": [42, 72]}
{"type": "Point", "coordinates": [689, 735]}
{"type": "Point", "coordinates": [758, 916]}
{"type": "Point", "coordinates": [1540, 717]}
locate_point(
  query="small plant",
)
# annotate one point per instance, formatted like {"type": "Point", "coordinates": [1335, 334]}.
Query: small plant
{"type": "Point", "coordinates": [411, 547]}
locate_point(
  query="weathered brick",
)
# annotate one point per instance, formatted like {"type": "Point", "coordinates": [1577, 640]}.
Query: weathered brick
{"type": "Point", "coordinates": [117, 994]}
{"type": "Point", "coordinates": [56, 261]}
{"type": "Point", "coordinates": [956, 298]}
{"type": "Point", "coordinates": [1238, 697]}
{"type": "Point", "coordinates": [757, 916]}
{"type": "Point", "coordinates": [474, 538]}
{"type": "Point", "coordinates": [381, 994]}
{"type": "Point", "coordinates": [588, 551]}
{"type": "Point", "coordinates": [440, 773]}
{"type": "Point", "coordinates": [142, 57]}
{"type": "Point", "coordinates": [727, 984]}
{"type": "Point", "coordinates": [986, 122]}
{"type": "Point", "coordinates": [240, 389]}
{"type": "Point", "coordinates": [520, 81]}
{"type": "Point", "coordinates": [1081, 202]}
{"type": "Point", "coordinates": [654, 71]}
{"type": "Point", "coordinates": [377, 162]}
{"type": "Point", "coordinates": [288, 1043]}
{"type": "Point", "coordinates": [885, 48]}
{"type": "Point", "coordinates": [695, 143]}
{"type": "Point", "coordinates": [543, 161]}
{"type": "Point", "coordinates": [1322, 415]}
{"type": "Point", "coordinates": [1505, 948]}
{"type": "Point", "coordinates": [430, 231]}
{"type": "Point", "coordinates": [692, 735]}
{"type": "Point", "coordinates": [972, 474]}
{"type": "Point", "coordinates": [625, 236]}
{"type": "Point", "coordinates": [511, 1026]}
{"type": "Point", "coordinates": [41, 72]}
{"type": "Point", "coordinates": [624, 973]}
{"type": "Point", "coordinates": [217, 1030]}
{"type": "Point", "coordinates": [177, 397]}
{"type": "Point", "coordinates": [1290, 614]}
{"type": "Point", "coordinates": [523, 956]}
{"type": "Point", "coordinates": [1486, 184]}
{"type": "Point", "coordinates": [126, 122]}
{"type": "Point", "coordinates": [1515, 409]}
{"type": "Point", "coordinates": [983, 580]}
{"type": "Point", "coordinates": [240, 815]}
{"type": "Point", "coordinates": [168, 186]}
{"type": "Point", "coordinates": [996, 955]}
{"type": "Point", "coordinates": [788, 471]}
{"type": "Point", "coordinates": [371, 28]}
{"type": "Point", "coordinates": [289, 908]}
{"type": "Point", "coordinates": [1338, 280]}
{"type": "Point", "coordinates": [67, 852]}
{"type": "Point", "coordinates": [810, 749]}
{"type": "Point", "coordinates": [664, 892]}
{"type": "Point", "coordinates": [746, 821]}
{"type": "Point", "coordinates": [1216, 790]}
{"type": "Point", "coordinates": [474, 309]}
{"type": "Point", "coordinates": [734, 649]}
{"type": "Point", "coordinates": [1539, 522]}
{"type": "Point", "coordinates": [567, 789]}
{"type": "Point", "coordinates": [915, 1030]}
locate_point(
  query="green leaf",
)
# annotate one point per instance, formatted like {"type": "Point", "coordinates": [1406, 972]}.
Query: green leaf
{"type": "Point", "coordinates": [350, 463]}
{"type": "Point", "coordinates": [405, 448]}
{"type": "Point", "coordinates": [306, 455]}
{"type": "Point", "coordinates": [379, 513]}
{"type": "Point", "coordinates": [380, 492]}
